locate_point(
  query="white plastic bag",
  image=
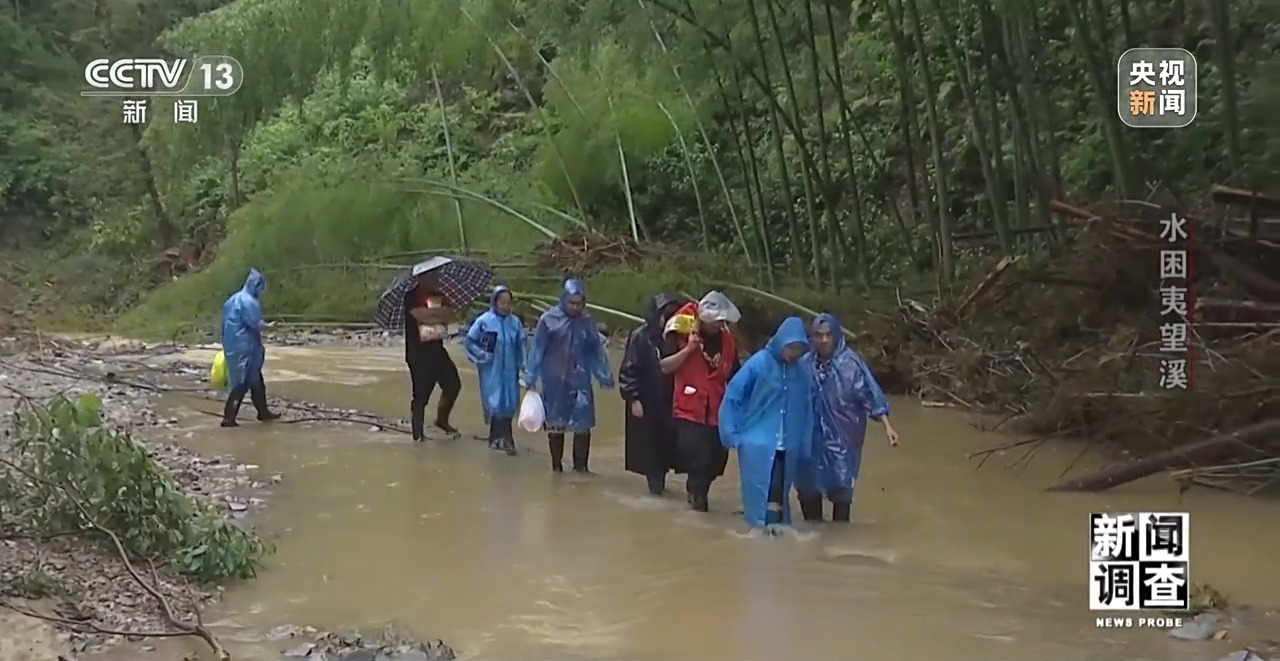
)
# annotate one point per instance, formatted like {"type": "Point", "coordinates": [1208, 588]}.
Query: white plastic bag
{"type": "Point", "coordinates": [532, 415]}
{"type": "Point", "coordinates": [715, 306]}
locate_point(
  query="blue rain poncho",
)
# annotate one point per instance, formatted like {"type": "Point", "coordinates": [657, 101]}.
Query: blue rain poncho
{"type": "Point", "coordinates": [242, 332]}
{"type": "Point", "coordinates": [567, 352]}
{"type": "Point", "coordinates": [767, 408]}
{"type": "Point", "coordinates": [845, 396]}
{"type": "Point", "coordinates": [495, 344]}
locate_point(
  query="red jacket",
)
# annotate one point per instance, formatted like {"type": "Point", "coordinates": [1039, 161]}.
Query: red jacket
{"type": "Point", "coordinates": [699, 387]}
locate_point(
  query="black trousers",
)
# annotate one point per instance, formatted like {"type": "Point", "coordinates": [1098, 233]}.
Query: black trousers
{"type": "Point", "coordinates": [426, 372]}
{"type": "Point", "coordinates": [841, 504]}
{"type": "Point", "coordinates": [257, 391]}
{"type": "Point", "coordinates": [777, 489]}
{"type": "Point", "coordinates": [581, 450]}
{"type": "Point", "coordinates": [702, 457]}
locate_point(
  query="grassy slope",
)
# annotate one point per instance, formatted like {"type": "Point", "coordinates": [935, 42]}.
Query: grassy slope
{"type": "Point", "coordinates": [298, 238]}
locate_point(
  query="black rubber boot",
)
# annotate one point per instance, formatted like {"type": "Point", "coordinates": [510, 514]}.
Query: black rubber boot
{"type": "Point", "coordinates": [258, 394]}
{"type": "Point", "coordinates": [700, 503]}
{"type": "Point", "coordinates": [581, 452]}
{"type": "Point", "coordinates": [555, 443]}
{"type": "Point", "coordinates": [442, 414]}
{"type": "Point", "coordinates": [417, 420]}
{"type": "Point", "coordinates": [840, 512]}
{"type": "Point", "coordinates": [699, 499]}
{"type": "Point", "coordinates": [230, 411]}
{"type": "Point", "coordinates": [657, 484]}
{"type": "Point", "coordinates": [811, 507]}
{"type": "Point", "coordinates": [509, 446]}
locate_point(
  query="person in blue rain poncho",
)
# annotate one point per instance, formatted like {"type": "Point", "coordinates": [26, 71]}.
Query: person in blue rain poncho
{"type": "Point", "coordinates": [846, 394]}
{"type": "Point", "coordinates": [242, 326]}
{"type": "Point", "coordinates": [767, 416]}
{"type": "Point", "coordinates": [495, 344]}
{"type": "Point", "coordinates": [567, 352]}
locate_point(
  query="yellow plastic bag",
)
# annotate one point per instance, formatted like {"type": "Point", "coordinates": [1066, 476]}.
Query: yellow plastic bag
{"type": "Point", "coordinates": [683, 324]}
{"type": "Point", "coordinates": [218, 372]}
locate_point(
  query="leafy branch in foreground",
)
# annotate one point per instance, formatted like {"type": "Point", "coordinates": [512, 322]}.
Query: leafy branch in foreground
{"type": "Point", "coordinates": [152, 587]}
{"type": "Point", "coordinates": [70, 472]}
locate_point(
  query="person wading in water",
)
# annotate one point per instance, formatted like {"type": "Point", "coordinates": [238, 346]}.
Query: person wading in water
{"type": "Point", "coordinates": [425, 314]}
{"type": "Point", "coordinates": [767, 416]}
{"type": "Point", "coordinates": [242, 326]}
{"type": "Point", "coordinates": [646, 392]}
{"type": "Point", "coordinates": [567, 352]}
{"type": "Point", "coordinates": [495, 344]}
{"type": "Point", "coordinates": [846, 395]}
{"type": "Point", "coordinates": [700, 354]}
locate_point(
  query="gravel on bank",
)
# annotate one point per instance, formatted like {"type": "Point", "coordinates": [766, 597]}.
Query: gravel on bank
{"type": "Point", "coordinates": [98, 589]}
{"type": "Point", "coordinates": [129, 377]}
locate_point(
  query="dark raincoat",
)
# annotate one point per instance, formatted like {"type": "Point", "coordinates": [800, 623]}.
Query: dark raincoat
{"type": "Point", "coordinates": [767, 408]}
{"type": "Point", "coordinates": [566, 353]}
{"type": "Point", "coordinates": [650, 440]}
{"type": "Point", "coordinates": [845, 396]}
{"type": "Point", "coordinates": [495, 344]}
{"type": "Point", "coordinates": [242, 332]}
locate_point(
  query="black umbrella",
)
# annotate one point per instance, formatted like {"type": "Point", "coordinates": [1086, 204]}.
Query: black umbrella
{"type": "Point", "coordinates": [458, 279]}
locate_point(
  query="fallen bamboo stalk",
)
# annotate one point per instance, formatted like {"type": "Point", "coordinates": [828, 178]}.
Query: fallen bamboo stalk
{"type": "Point", "coordinates": [1237, 324]}
{"type": "Point", "coordinates": [324, 324]}
{"type": "Point", "coordinates": [1236, 304]}
{"type": "Point", "coordinates": [1253, 199]}
{"type": "Point", "coordinates": [987, 283]}
{"type": "Point", "coordinates": [1016, 231]}
{"type": "Point", "coordinates": [1248, 443]}
{"type": "Point", "coordinates": [1189, 472]}
{"type": "Point", "coordinates": [1248, 278]}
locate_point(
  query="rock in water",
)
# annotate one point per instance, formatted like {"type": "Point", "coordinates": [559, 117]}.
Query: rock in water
{"type": "Point", "coordinates": [301, 650]}
{"type": "Point", "coordinates": [437, 650]}
{"type": "Point", "coordinates": [1242, 655]}
{"type": "Point", "coordinates": [363, 654]}
{"type": "Point", "coordinates": [1201, 627]}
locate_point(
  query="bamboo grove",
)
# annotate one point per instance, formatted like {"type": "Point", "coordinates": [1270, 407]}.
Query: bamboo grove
{"type": "Point", "coordinates": [813, 139]}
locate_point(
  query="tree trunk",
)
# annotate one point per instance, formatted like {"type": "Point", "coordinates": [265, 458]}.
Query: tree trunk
{"type": "Point", "coordinates": [1252, 441]}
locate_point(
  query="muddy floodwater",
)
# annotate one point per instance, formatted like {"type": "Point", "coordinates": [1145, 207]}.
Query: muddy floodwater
{"type": "Point", "coordinates": [504, 560]}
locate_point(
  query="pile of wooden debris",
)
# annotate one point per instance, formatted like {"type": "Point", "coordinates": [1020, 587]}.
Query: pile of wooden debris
{"type": "Point", "coordinates": [1069, 346]}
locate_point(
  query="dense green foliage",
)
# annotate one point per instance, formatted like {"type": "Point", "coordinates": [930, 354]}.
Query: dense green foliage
{"type": "Point", "coordinates": [87, 474]}
{"type": "Point", "coordinates": [838, 142]}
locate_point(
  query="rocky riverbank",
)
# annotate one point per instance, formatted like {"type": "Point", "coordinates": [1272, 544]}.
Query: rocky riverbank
{"type": "Point", "coordinates": [81, 587]}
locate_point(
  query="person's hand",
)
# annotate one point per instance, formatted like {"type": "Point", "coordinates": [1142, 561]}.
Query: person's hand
{"type": "Point", "coordinates": [695, 343]}
{"type": "Point", "coordinates": [637, 409]}
{"type": "Point", "coordinates": [893, 436]}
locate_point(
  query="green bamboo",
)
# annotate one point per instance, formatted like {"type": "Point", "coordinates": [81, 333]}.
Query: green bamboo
{"type": "Point", "coordinates": [815, 68]}
{"type": "Point", "coordinates": [808, 175]}
{"type": "Point", "coordinates": [443, 189]}
{"type": "Point", "coordinates": [617, 134]}
{"type": "Point", "coordinates": [626, 176]}
{"type": "Point", "coordinates": [978, 128]}
{"type": "Point", "coordinates": [537, 109]}
{"type": "Point", "coordinates": [946, 252]}
{"type": "Point", "coordinates": [775, 133]}
{"type": "Point", "coordinates": [702, 133]}
{"type": "Point", "coordinates": [693, 177]}
{"type": "Point", "coordinates": [448, 147]}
